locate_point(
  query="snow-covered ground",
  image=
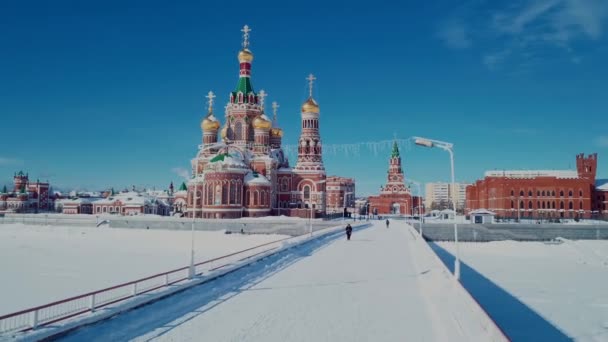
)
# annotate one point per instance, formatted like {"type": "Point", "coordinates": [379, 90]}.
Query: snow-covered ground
{"type": "Point", "coordinates": [40, 264]}
{"type": "Point", "coordinates": [383, 285]}
{"type": "Point", "coordinates": [539, 291]}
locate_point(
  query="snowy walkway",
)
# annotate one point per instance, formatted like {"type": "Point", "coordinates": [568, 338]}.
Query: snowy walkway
{"type": "Point", "coordinates": [383, 285]}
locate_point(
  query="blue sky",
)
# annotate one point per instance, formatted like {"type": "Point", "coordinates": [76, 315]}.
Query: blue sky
{"type": "Point", "coordinates": [106, 94]}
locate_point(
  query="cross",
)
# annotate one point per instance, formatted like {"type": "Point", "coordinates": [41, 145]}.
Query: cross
{"type": "Point", "coordinates": [246, 31]}
{"type": "Point", "coordinates": [275, 107]}
{"type": "Point", "coordinates": [261, 95]}
{"type": "Point", "coordinates": [210, 96]}
{"type": "Point", "coordinates": [310, 79]}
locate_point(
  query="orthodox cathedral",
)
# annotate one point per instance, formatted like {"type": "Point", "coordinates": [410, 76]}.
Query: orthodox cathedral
{"type": "Point", "coordinates": [247, 172]}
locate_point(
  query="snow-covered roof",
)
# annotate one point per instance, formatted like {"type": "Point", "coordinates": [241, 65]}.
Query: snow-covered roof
{"type": "Point", "coordinates": [226, 161]}
{"type": "Point", "coordinates": [601, 184]}
{"type": "Point", "coordinates": [128, 198]}
{"type": "Point", "coordinates": [482, 212]}
{"type": "Point", "coordinates": [258, 179]}
{"type": "Point", "coordinates": [533, 173]}
{"type": "Point", "coordinates": [80, 200]}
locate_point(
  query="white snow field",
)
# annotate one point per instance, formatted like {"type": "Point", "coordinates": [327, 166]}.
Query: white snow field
{"type": "Point", "coordinates": [383, 285]}
{"type": "Point", "coordinates": [538, 291]}
{"type": "Point", "coordinates": [41, 264]}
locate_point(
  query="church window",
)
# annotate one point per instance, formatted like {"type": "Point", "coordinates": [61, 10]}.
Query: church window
{"type": "Point", "coordinates": [238, 131]}
{"type": "Point", "coordinates": [306, 192]}
{"type": "Point", "coordinates": [218, 195]}
{"type": "Point", "coordinates": [225, 195]}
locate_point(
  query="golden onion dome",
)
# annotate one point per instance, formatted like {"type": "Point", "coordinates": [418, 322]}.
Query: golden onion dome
{"type": "Point", "coordinates": [224, 132]}
{"type": "Point", "coordinates": [210, 123]}
{"type": "Point", "coordinates": [276, 132]}
{"type": "Point", "coordinates": [310, 106]}
{"type": "Point", "coordinates": [262, 122]}
{"type": "Point", "coordinates": [245, 56]}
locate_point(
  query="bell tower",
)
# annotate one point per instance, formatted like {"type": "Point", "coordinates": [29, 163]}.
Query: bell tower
{"type": "Point", "coordinates": [586, 166]}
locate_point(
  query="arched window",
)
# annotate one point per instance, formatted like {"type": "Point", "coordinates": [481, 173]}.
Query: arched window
{"type": "Point", "coordinates": [561, 193]}
{"type": "Point", "coordinates": [198, 197]}
{"type": "Point", "coordinates": [580, 205]}
{"type": "Point", "coordinates": [530, 205]}
{"type": "Point", "coordinates": [262, 197]}
{"type": "Point", "coordinates": [306, 192]}
{"type": "Point", "coordinates": [233, 187]}
{"type": "Point", "coordinates": [537, 193]}
{"type": "Point", "coordinates": [543, 205]}
{"type": "Point", "coordinates": [240, 97]}
{"type": "Point", "coordinates": [530, 193]}
{"type": "Point", "coordinates": [256, 195]}
{"type": "Point", "coordinates": [522, 205]}
{"type": "Point", "coordinates": [512, 193]}
{"type": "Point", "coordinates": [521, 193]}
{"type": "Point", "coordinates": [580, 193]}
{"type": "Point", "coordinates": [553, 205]}
{"type": "Point", "coordinates": [543, 194]}
{"type": "Point", "coordinates": [238, 131]}
{"type": "Point", "coordinates": [247, 197]}
{"type": "Point", "coordinates": [561, 205]}
{"type": "Point", "coordinates": [570, 193]}
{"type": "Point", "coordinates": [225, 193]}
{"type": "Point", "coordinates": [218, 195]}
{"type": "Point", "coordinates": [512, 205]}
{"type": "Point", "coordinates": [209, 195]}
{"type": "Point", "coordinates": [238, 193]}
{"type": "Point", "coordinates": [570, 206]}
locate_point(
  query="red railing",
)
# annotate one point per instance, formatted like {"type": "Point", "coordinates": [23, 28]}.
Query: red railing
{"type": "Point", "coordinates": [61, 310]}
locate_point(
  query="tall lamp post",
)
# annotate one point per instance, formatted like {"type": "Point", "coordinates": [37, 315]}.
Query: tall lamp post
{"type": "Point", "coordinates": [191, 270]}
{"type": "Point", "coordinates": [447, 147]}
{"type": "Point", "coordinates": [417, 184]}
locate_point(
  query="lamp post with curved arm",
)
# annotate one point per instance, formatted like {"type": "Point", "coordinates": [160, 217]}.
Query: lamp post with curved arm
{"type": "Point", "coordinates": [447, 147]}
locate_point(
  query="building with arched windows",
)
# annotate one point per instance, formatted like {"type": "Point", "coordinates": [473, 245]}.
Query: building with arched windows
{"type": "Point", "coordinates": [539, 193]}
{"type": "Point", "coordinates": [247, 172]}
{"type": "Point", "coordinates": [26, 196]}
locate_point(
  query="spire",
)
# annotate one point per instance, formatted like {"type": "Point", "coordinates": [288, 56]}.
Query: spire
{"type": "Point", "coordinates": [395, 153]}
{"type": "Point", "coordinates": [275, 107]}
{"type": "Point", "coordinates": [4, 189]}
{"type": "Point", "coordinates": [210, 96]}
{"type": "Point", "coordinates": [311, 78]}
{"type": "Point", "coordinates": [245, 31]}
{"type": "Point", "coordinates": [261, 95]}
{"type": "Point", "coordinates": [183, 187]}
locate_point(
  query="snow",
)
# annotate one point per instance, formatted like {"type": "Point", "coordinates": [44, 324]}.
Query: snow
{"type": "Point", "coordinates": [258, 180]}
{"type": "Point", "coordinates": [74, 260]}
{"type": "Point", "coordinates": [383, 285]}
{"type": "Point", "coordinates": [533, 173]}
{"type": "Point", "coordinates": [601, 184]}
{"type": "Point", "coordinates": [540, 291]}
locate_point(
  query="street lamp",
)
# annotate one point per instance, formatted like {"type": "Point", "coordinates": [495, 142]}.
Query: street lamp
{"type": "Point", "coordinates": [191, 270]}
{"type": "Point", "coordinates": [419, 200]}
{"type": "Point", "coordinates": [447, 147]}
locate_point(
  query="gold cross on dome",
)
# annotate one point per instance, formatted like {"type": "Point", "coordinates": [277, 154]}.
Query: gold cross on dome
{"type": "Point", "coordinates": [246, 31]}
{"type": "Point", "coordinates": [310, 79]}
{"type": "Point", "coordinates": [210, 96]}
{"type": "Point", "coordinates": [261, 95]}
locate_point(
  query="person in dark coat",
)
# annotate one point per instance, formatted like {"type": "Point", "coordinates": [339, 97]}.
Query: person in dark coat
{"type": "Point", "coordinates": [349, 231]}
{"type": "Point", "coordinates": [387, 223]}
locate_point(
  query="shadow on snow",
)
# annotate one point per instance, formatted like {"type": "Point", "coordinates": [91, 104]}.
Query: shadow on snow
{"type": "Point", "coordinates": [158, 318]}
{"type": "Point", "coordinates": [518, 321]}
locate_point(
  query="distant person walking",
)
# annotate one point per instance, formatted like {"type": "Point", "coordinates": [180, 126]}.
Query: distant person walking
{"type": "Point", "coordinates": [349, 231]}
{"type": "Point", "coordinates": [387, 223]}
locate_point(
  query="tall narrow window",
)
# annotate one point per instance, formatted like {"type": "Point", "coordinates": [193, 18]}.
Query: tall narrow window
{"type": "Point", "coordinates": [238, 131]}
{"type": "Point", "coordinates": [232, 193]}
{"type": "Point", "coordinates": [306, 192]}
{"type": "Point", "coordinates": [218, 195]}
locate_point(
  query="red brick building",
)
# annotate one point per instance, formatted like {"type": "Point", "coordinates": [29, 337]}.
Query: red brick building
{"type": "Point", "coordinates": [340, 193]}
{"type": "Point", "coordinates": [394, 197]}
{"type": "Point", "coordinates": [539, 194]}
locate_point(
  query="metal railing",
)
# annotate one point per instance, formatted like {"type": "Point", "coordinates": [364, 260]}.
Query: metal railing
{"type": "Point", "coordinates": [62, 310]}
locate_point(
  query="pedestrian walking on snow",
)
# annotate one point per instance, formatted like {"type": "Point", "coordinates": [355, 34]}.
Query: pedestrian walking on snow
{"type": "Point", "coordinates": [349, 231]}
{"type": "Point", "coordinates": [387, 223]}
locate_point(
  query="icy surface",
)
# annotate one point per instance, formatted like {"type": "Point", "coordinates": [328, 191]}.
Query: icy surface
{"type": "Point", "coordinates": [383, 285]}
{"type": "Point", "coordinates": [562, 284]}
{"type": "Point", "coordinates": [41, 264]}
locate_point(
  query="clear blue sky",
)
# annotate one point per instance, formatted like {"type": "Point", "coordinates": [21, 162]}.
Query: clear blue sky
{"type": "Point", "coordinates": [100, 94]}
